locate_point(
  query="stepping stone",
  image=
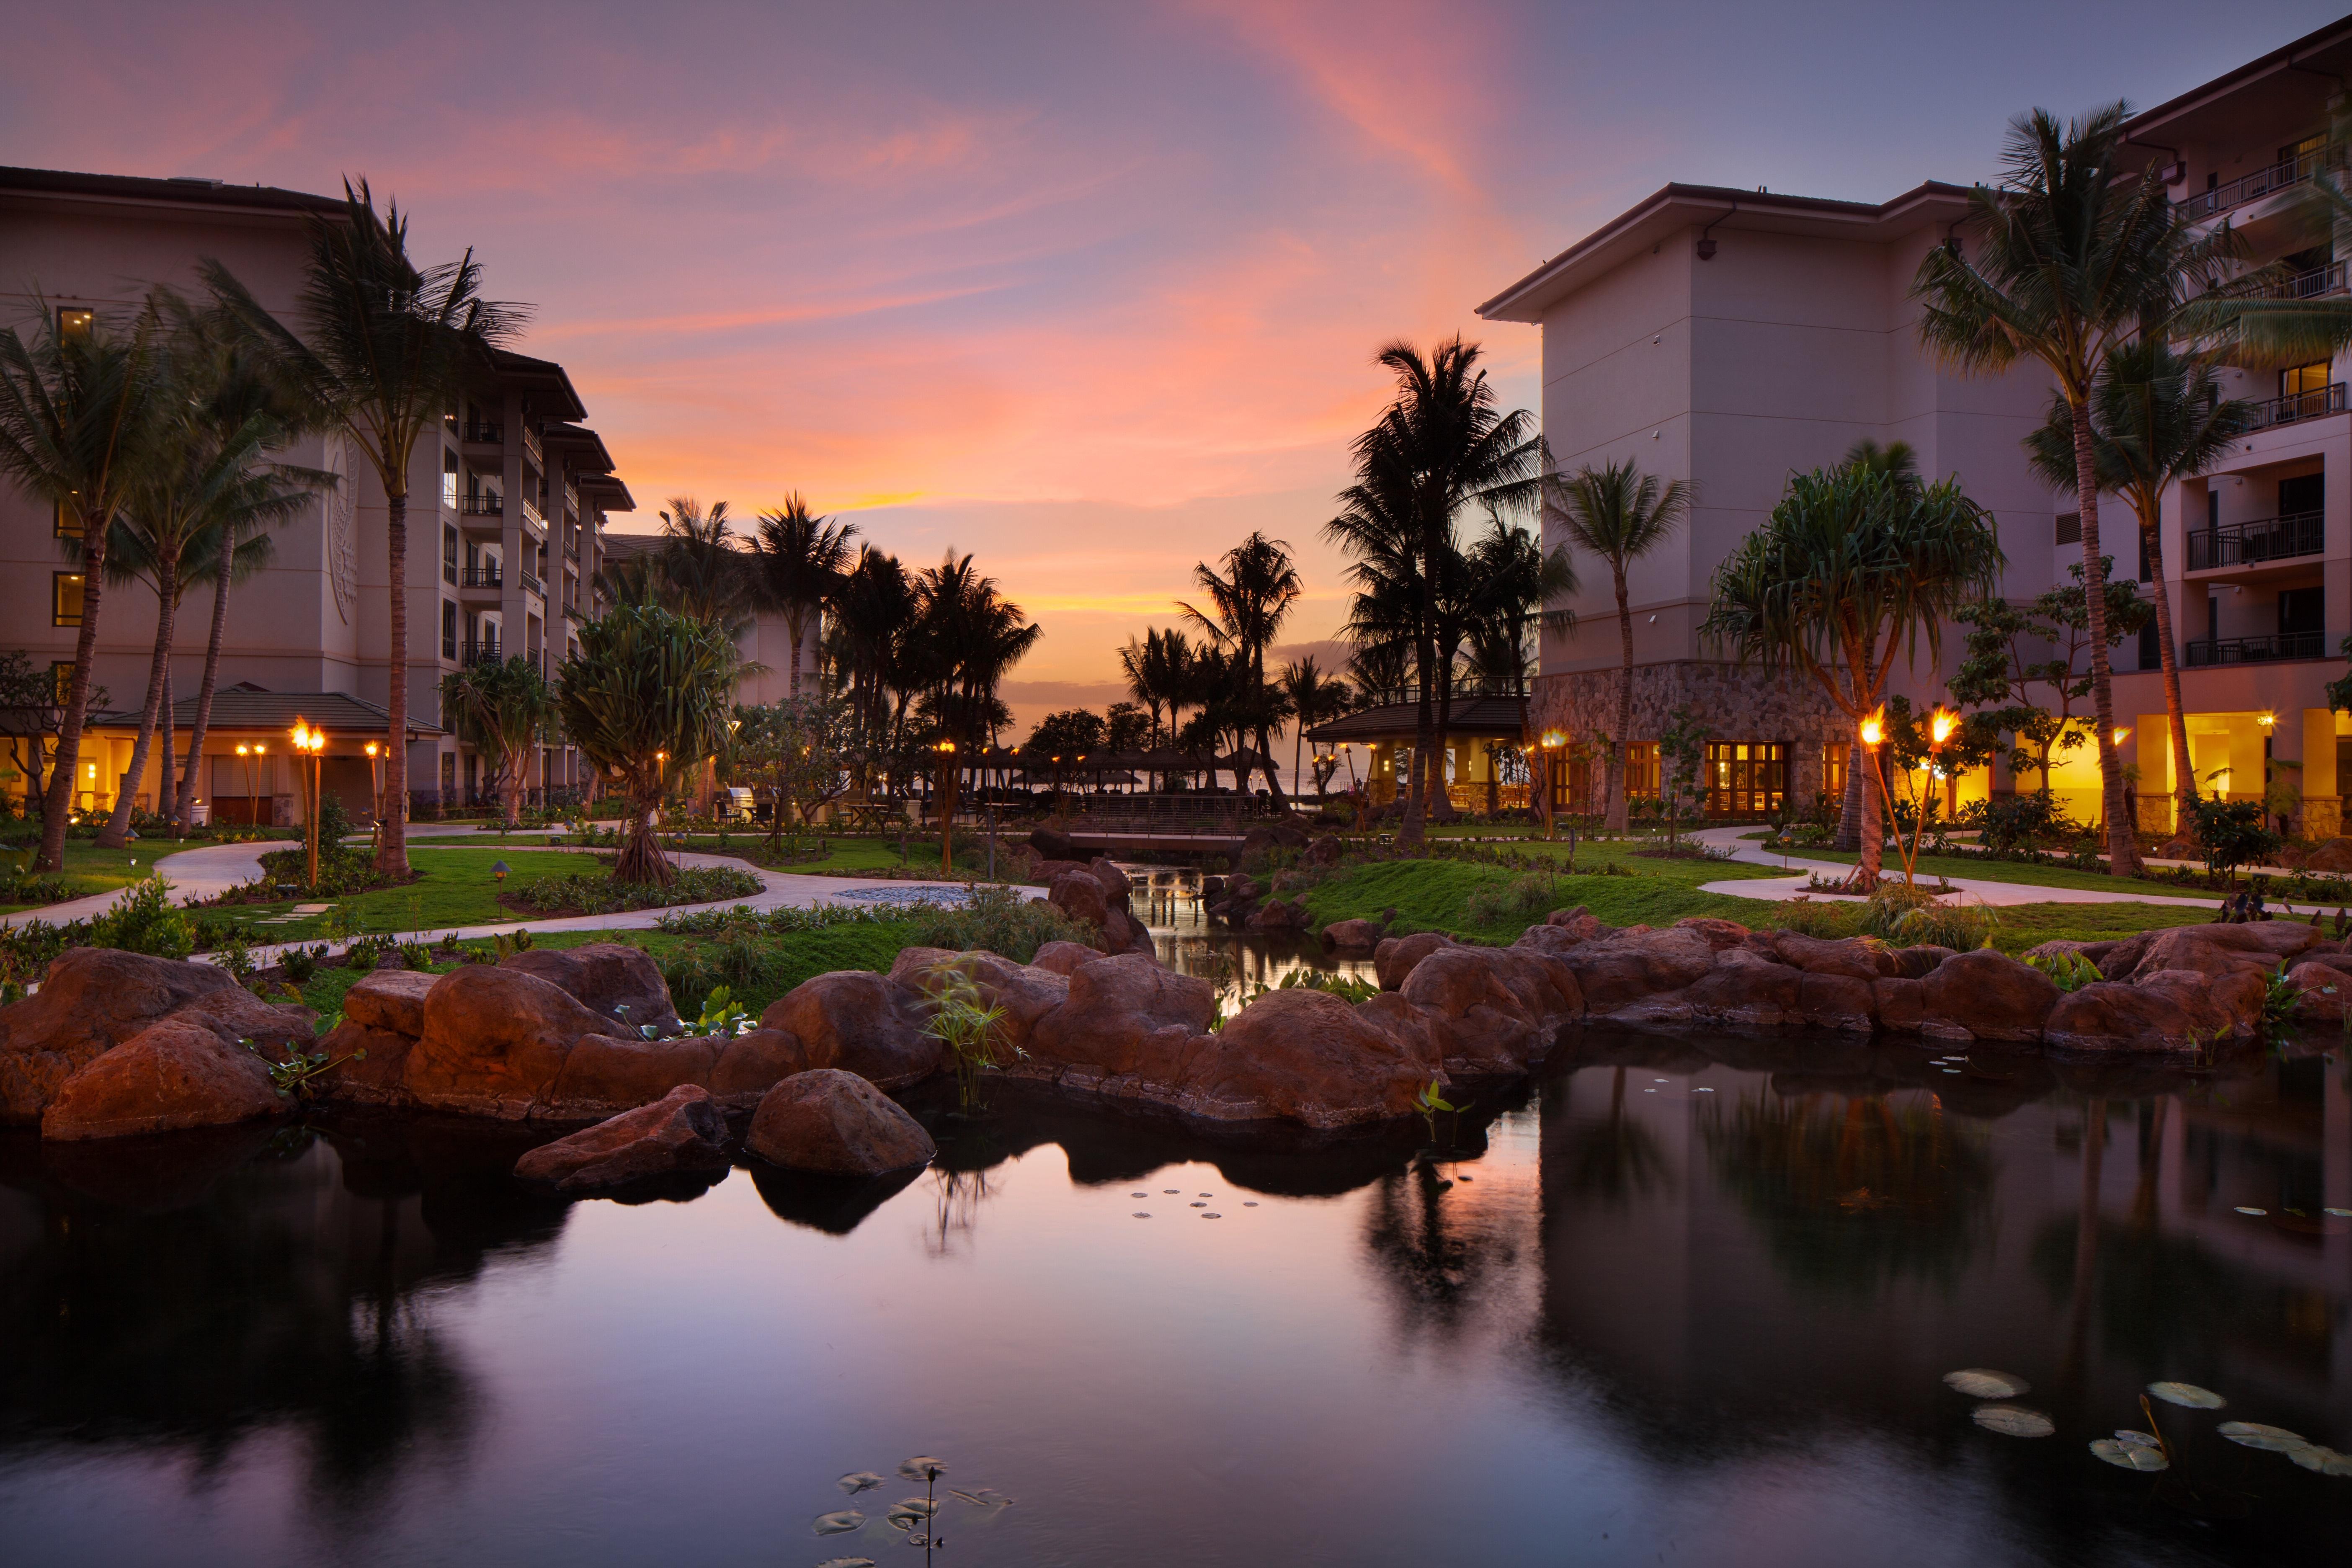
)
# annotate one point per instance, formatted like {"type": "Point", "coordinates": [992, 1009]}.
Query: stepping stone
{"type": "Point", "coordinates": [312, 908]}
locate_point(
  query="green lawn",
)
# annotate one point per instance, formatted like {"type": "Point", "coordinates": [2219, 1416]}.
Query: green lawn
{"type": "Point", "coordinates": [89, 869]}
{"type": "Point", "coordinates": [2018, 872]}
{"type": "Point", "coordinates": [454, 887]}
{"type": "Point", "coordinates": [692, 964]}
{"type": "Point", "coordinates": [1436, 895]}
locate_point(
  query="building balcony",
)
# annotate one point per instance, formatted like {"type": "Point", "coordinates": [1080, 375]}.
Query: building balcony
{"type": "Point", "coordinates": [487, 504]}
{"type": "Point", "coordinates": [2273, 412]}
{"type": "Point", "coordinates": [2252, 544]}
{"type": "Point", "coordinates": [2263, 181]}
{"type": "Point", "coordinates": [491, 576]}
{"type": "Point", "coordinates": [575, 614]}
{"type": "Point", "coordinates": [2312, 285]}
{"type": "Point", "coordinates": [530, 584]}
{"type": "Point", "coordinates": [484, 652]}
{"type": "Point", "coordinates": [530, 515]}
{"type": "Point", "coordinates": [485, 433]}
{"type": "Point", "coordinates": [2276, 647]}
{"type": "Point", "coordinates": [531, 445]}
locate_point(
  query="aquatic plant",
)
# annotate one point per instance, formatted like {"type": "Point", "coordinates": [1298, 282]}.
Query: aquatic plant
{"type": "Point", "coordinates": [964, 1021]}
{"type": "Point", "coordinates": [2070, 972]}
{"type": "Point", "coordinates": [295, 1076]}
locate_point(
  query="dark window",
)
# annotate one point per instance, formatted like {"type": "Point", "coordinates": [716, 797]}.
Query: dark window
{"type": "Point", "coordinates": [2070, 528]}
{"type": "Point", "coordinates": [2150, 655]}
{"type": "Point", "coordinates": [2303, 609]}
{"type": "Point", "coordinates": [2303, 493]}
{"type": "Point", "coordinates": [65, 598]}
{"type": "Point", "coordinates": [448, 554]}
{"type": "Point", "coordinates": [448, 630]}
{"type": "Point", "coordinates": [1746, 778]}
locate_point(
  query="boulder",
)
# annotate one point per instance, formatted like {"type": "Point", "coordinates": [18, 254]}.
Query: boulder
{"type": "Point", "coordinates": [682, 1131]}
{"type": "Point", "coordinates": [1748, 989]}
{"type": "Point", "coordinates": [375, 1078]}
{"type": "Point", "coordinates": [1852, 956]}
{"type": "Point", "coordinates": [95, 998]}
{"type": "Point", "coordinates": [1117, 890]}
{"type": "Point", "coordinates": [1301, 1055]}
{"type": "Point", "coordinates": [1717, 933]}
{"type": "Point", "coordinates": [838, 1123]}
{"type": "Point", "coordinates": [1552, 939]}
{"type": "Point", "coordinates": [1280, 916]}
{"type": "Point", "coordinates": [1580, 922]}
{"type": "Point", "coordinates": [494, 1042]}
{"type": "Point", "coordinates": [1025, 992]}
{"type": "Point", "coordinates": [753, 1063]}
{"type": "Point", "coordinates": [862, 1023]}
{"type": "Point", "coordinates": [2171, 1011]}
{"type": "Point", "coordinates": [1056, 846]}
{"type": "Point", "coordinates": [1840, 1001]}
{"type": "Point", "coordinates": [1079, 895]}
{"type": "Point", "coordinates": [1268, 836]}
{"type": "Point", "coordinates": [1393, 959]}
{"type": "Point", "coordinates": [1062, 957]}
{"type": "Point", "coordinates": [173, 1075]}
{"type": "Point", "coordinates": [2259, 947]}
{"type": "Point", "coordinates": [2324, 987]}
{"type": "Point", "coordinates": [389, 999]}
{"type": "Point", "coordinates": [611, 978]}
{"type": "Point", "coordinates": [1985, 996]}
{"type": "Point", "coordinates": [1124, 933]}
{"type": "Point", "coordinates": [1900, 1002]}
{"type": "Point", "coordinates": [1637, 965]}
{"type": "Point", "coordinates": [602, 1074]}
{"type": "Point", "coordinates": [2334, 855]}
{"type": "Point", "coordinates": [1110, 1008]}
{"type": "Point", "coordinates": [1352, 936]}
{"type": "Point", "coordinates": [1490, 1009]}
{"type": "Point", "coordinates": [1324, 851]}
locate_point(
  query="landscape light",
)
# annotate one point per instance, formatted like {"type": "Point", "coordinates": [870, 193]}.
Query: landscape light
{"type": "Point", "coordinates": [1874, 726]}
{"type": "Point", "coordinates": [2122, 731]}
{"type": "Point", "coordinates": [498, 871]}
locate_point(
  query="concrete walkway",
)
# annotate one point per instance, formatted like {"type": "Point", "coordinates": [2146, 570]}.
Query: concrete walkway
{"type": "Point", "coordinates": [1749, 852]}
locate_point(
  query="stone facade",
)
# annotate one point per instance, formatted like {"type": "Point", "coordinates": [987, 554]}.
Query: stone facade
{"type": "Point", "coordinates": [1735, 703]}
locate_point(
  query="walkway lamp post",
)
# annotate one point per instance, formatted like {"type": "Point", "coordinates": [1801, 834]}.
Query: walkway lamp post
{"type": "Point", "coordinates": [946, 750]}
{"type": "Point", "coordinates": [376, 789]}
{"type": "Point", "coordinates": [312, 741]}
{"type": "Point", "coordinates": [1550, 746]}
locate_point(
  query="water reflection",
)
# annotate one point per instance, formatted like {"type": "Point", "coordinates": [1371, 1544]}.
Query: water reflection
{"type": "Point", "coordinates": [1698, 1295]}
{"type": "Point", "coordinates": [1168, 900]}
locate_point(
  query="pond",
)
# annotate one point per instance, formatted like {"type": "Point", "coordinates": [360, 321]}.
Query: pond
{"type": "Point", "coordinates": [1168, 900]}
{"type": "Point", "coordinates": [1668, 1303]}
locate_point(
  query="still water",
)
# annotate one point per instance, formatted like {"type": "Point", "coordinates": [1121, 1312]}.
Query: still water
{"type": "Point", "coordinates": [1668, 1303]}
{"type": "Point", "coordinates": [1168, 900]}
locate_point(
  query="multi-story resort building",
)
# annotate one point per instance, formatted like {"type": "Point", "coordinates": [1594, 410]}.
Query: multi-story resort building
{"type": "Point", "coordinates": [1726, 338]}
{"type": "Point", "coordinates": [507, 515]}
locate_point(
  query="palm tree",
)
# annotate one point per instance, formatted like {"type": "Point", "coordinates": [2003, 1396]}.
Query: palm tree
{"type": "Point", "coordinates": [204, 481]}
{"type": "Point", "coordinates": [801, 561]}
{"type": "Point", "coordinates": [1619, 514]}
{"type": "Point", "coordinates": [382, 348]}
{"type": "Point", "coordinates": [76, 425]}
{"type": "Point", "coordinates": [968, 637]}
{"type": "Point", "coordinates": [1440, 447]}
{"type": "Point", "coordinates": [2156, 418]}
{"type": "Point", "coordinates": [1247, 605]}
{"type": "Point", "coordinates": [647, 690]}
{"type": "Point", "coordinates": [1853, 565]}
{"type": "Point", "coordinates": [874, 613]}
{"type": "Point", "coordinates": [1313, 697]}
{"type": "Point", "coordinates": [502, 711]}
{"type": "Point", "coordinates": [703, 573]}
{"type": "Point", "coordinates": [223, 557]}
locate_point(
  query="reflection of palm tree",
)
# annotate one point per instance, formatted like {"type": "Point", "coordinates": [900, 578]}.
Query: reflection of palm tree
{"type": "Point", "coordinates": [1858, 1194]}
{"type": "Point", "coordinates": [1436, 1260]}
{"type": "Point", "coordinates": [956, 1199]}
{"type": "Point", "coordinates": [1616, 1160]}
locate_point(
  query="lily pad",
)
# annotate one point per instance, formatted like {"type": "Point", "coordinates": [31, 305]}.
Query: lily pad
{"type": "Point", "coordinates": [2138, 1439]}
{"type": "Point", "coordinates": [1982, 1383]}
{"type": "Point", "coordinates": [983, 1497]}
{"type": "Point", "coordinates": [2243, 1209]}
{"type": "Point", "coordinates": [2254, 1435]}
{"type": "Point", "coordinates": [2013, 1421]}
{"type": "Point", "coordinates": [2187, 1393]}
{"type": "Point", "coordinates": [922, 1468]}
{"type": "Point", "coordinates": [2129, 1455]}
{"type": "Point", "coordinates": [840, 1523]}
{"type": "Point", "coordinates": [2326, 1461]}
{"type": "Point", "coordinates": [858, 1481]}
{"type": "Point", "coordinates": [846, 1562]}
{"type": "Point", "coordinates": [2341, 1214]}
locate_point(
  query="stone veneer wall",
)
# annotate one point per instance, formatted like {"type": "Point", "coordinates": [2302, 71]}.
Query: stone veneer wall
{"type": "Point", "coordinates": [1736, 704]}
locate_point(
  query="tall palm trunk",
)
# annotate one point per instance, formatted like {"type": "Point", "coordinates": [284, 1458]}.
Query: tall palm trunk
{"type": "Point", "coordinates": [794, 625]}
{"type": "Point", "coordinates": [1412, 829]}
{"type": "Point", "coordinates": [2123, 848]}
{"type": "Point", "coordinates": [205, 694]}
{"type": "Point", "coordinates": [392, 831]}
{"type": "Point", "coordinates": [1619, 814]}
{"type": "Point", "coordinates": [1441, 798]}
{"type": "Point", "coordinates": [2184, 772]}
{"type": "Point", "coordinates": [167, 781]}
{"type": "Point", "coordinates": [59, 799]}
{"type": "Point", "coordinates": [117, 822]}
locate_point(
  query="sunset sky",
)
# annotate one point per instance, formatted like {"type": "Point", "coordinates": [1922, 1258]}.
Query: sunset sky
{"type": "Point", "coordinates": [1089, 291]}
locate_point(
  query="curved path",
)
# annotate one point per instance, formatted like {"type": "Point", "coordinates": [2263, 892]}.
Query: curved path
{"type": "Point", "coordinates": [211, 870]}
{"type": "Point", "coordinates": [1748, 852]}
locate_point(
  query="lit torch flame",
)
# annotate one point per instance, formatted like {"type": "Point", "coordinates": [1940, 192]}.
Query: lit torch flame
{"type": "Point", "coordinates": [1874, 726]}
{"type": "Point", "coordinates": [1942, 725]}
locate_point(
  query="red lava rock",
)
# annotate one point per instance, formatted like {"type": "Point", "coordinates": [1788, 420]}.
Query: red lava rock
{"type": "Point", "coordinates": [838, 1123]}
{"type": "Point", "coordinates": [682, 1131]}
{"type": "Point", "coordinates": [173, 1075]}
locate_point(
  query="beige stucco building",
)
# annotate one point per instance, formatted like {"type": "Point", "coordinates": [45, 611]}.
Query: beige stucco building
{"type": "Point", "coordinates": [1727, 337]}
{"type": "Point", "coordinates": [507, 504]}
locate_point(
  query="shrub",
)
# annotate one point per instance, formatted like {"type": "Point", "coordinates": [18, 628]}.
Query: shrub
{"type": "Point", "coordinates": [601, 893]}
{"type": "Point", "coordinates": [2230, 832]}
{"type": "Point", "coordinates": [2067, 971]}
{"type": "Point", "coordinates": [998, 919]}
{"type": "Point", "coordinates": [1807, 918]}
{"type": "Point", "coordinates": [2012, 823]}
{"type": "Point", "coordinates": [300, 965]}
{"type": "Point", "coordinates": [144, 919]}
{"type": "Point", "coordinates": [1527, 898]}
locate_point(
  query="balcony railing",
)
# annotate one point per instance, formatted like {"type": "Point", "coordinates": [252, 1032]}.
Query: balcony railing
{"type": "Point", "coordinates": [2311, 285]}
{"type": "Point", "coordinates": [2272, 178]}
{"type": "Point", "coordinates": [487, 504]}
{"type": "Point", "coordinates": [2248, 544]}
{"type": "Point", "coordinates": [531, 583]}
{"type": "Point", "coordinates": [2257, 650]}
{"type": "Point", "coordinates": [490, 576]}
{"type": "Point", "coordinates": [575, 614]}
{"type": "Point", "coordinates": [488, 652]}
{"type": "Point", "coordinates": [2298, 406]}
{"type": "Point", "coordinates": [530, 515]}
{"type": "Point", "coordinates": [487, 432]}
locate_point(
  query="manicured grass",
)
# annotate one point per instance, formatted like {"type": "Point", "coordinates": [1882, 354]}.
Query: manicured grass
{"type": "Point", "coordinates": [2019, 872]}
{"type": "Point", "coordinates": [1434, 895]}
{"type": "Point", "coordinates": [89, 869]}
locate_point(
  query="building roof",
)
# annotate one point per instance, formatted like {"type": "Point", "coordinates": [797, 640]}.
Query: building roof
{"type": "Point", "coordinates": [245, 708]}
{"type": "Point", "coordinates": [1501, 717]}
{"type": "Point", "coordinates": [547, 374]}
{"type": "Point", "coordinates": [1676, 207]}
{"type": "Point", "coordinates": [2319, 56]}
{"type": "Point", "coordinates": [588, 453]}
{"type": "Point", "coordinates": [178, 191]}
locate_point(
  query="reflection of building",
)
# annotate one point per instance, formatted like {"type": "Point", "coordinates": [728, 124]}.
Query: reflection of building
{"type": "Point", "coordinates": [507, 502]}
{"type": "Point", "coordinates": [1727, 337]}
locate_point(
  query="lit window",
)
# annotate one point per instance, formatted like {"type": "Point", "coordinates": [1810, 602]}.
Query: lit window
{"type": "Point", "coordinates": [68, 528]}
{"type": "Point", "coordinates": [73, 322]}
{"type": "Point", "coordinates": [61, 678]}
{"type": "Point", "coordinates": [65, 598]}
{"type": "Point", "coordinates": [449, 478]}
{"type": "Point", "coordinates": [2297, 380]}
